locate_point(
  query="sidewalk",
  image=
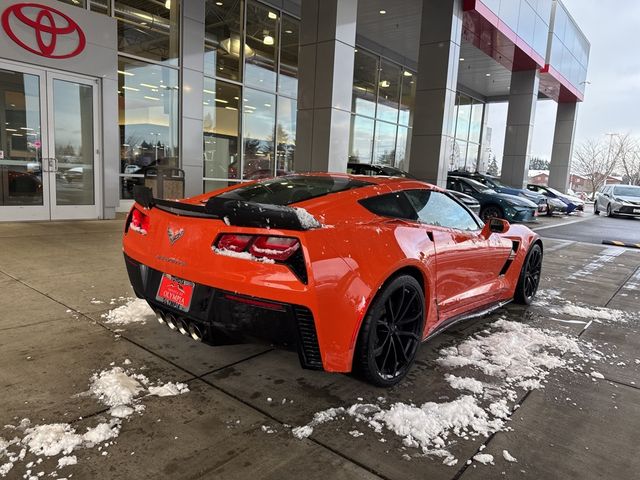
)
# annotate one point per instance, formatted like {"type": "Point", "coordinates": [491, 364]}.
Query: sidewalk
{"type": "Point", "coordinates": [58, 279]}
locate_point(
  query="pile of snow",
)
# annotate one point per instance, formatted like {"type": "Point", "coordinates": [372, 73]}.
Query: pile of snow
{"type": "Point", "coordinates": [121, 390]}
{"type": "Point", "coordinates": [241, 255]}
{"type": "Point", "coordinates": [307, 221]}
{"type": "Point", "coordinates": [590, 313]}
{"type": "Point", "coordinates": [508, 355]}
{"type": "Point", "coordinates": [134, 311]}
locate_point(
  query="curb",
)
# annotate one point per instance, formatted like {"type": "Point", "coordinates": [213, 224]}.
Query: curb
{"type": "Point", "coordinates": [621, 244]}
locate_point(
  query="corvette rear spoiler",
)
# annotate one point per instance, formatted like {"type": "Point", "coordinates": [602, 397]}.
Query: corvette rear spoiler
{"type": "Point", "coordinates": [232, 212]}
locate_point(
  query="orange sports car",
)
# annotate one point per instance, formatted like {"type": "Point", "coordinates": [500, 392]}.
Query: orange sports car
{"type": "Point", "coordinates": [353, 272]}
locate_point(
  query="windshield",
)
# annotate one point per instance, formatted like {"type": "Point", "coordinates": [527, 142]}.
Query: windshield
{"type": "Point", "coordinates": [554, 191]}
{"type": "Point", "coordinates": [494, 182]}
{"type": "Point", "coordinates": [477, 186]}
{"type": "Point", "coordinates": [627, 191]}
{"type": "Point", "coordinates": [292, 189]}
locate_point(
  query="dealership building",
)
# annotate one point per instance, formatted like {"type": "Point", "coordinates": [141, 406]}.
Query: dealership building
{"type": "Point", "coordinates": [96, 94]}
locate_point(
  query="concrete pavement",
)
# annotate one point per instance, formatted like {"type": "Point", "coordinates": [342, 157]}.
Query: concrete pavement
{"type": "Point", "coordinates": [52, 338]}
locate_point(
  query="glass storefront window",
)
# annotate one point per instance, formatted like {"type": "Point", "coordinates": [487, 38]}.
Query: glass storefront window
{"type": "Point", "coordinates": [259, 113]}
{"type": "Point", "coordinates": [472, 157]}
{"type": "Point", "coordinates": [148, 120]}
{"type": "Point", "coordinates": [211, 185]}
{"type": "Point", "coordinates": [388, 92]}
{"type": "Point", "coordinates": [408, 98]}
{"type": "Point", "coordinates": [361, 141]}
{"type": "Point", "coordinates": [384, 145]}
{"type": "Point", "coordinates": [223, 39]}
{"type": "Point", "coordinates": [261, 46]}
{"type": "Point", "coordinates": [100, 6]}
{"type": "Point", "coordinates": [365, 73]}
{"type": "Point", "coordinates": [286, 135]}
{"type": "Point", "coordinates": [402, 147]}
{"type": "Point", "coordinates": [221, 129]}
{"type": "Point", "coordinates": [290, 39]}
{"type": "Point", "coordinates": [149, 29]}
{"type": "Point", "coordinates": [20, 140]}
{"type": "Point", "coordinates": [475, 127]}
{"type": "Point", "coordinates": [463, 117]}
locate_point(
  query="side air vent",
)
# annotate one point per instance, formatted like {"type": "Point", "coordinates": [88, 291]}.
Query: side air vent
{"type": "Point", "coordinates": [514, 249]}
{"type": "Point", "coordinates": [308, 348]}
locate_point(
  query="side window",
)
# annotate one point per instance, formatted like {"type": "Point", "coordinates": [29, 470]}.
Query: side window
{"type": "Point", "coordinates": [393, 205]}
{"type": "Point", "coordinates": [464, 188]}
{"type": "Point", "coordinates": [453, 184]}
{"type": "Point", "coordinates": [436, 208]}
{"type": "Point", "coordinates": [533, 188]}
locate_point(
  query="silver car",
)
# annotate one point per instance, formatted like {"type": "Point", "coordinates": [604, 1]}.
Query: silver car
{"type": "Point", "coordinates": [618, 200]}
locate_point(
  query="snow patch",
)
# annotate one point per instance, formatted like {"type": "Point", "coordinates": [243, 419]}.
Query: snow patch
{"type": "Point", "coordinates": [508, 457]}
{"type": "Point", "coordinates": [464, 383]}
{"type": "Point", "coordinates": [590, 312]}
{"type": "Point", "coordinates": [241, 255]}
{"type": "Point", "coordinates": [597, 375]}
{"type": "Point", "coordinates": [307, 220]}
{"type": "Point", "coordinates": [66, 461]}
{"type": "Point", "coordinates": [134, 311]}
{"type": "Point", "coordinates": [115, 387]}
{"type": "Point", "coordinates": [169, 389]}
{"type": "Point", "coordinates": [484, 458]}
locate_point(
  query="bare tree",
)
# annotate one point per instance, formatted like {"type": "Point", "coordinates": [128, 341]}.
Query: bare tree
{"type": "Point", "coordinates": [596, 160]}
{"type": "Point", "coordinates": [630, 161]}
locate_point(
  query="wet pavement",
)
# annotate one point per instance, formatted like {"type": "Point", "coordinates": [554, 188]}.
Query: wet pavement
{"type": "Point", "coordinates": [53, 338]}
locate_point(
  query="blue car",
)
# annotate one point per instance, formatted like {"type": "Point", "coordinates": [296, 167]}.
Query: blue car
{"type": "Point", "coordinates": [492, 203]}
{"type": "Point", "coordinates": [574, 204]}
{"type": "Point", "coordinates": [495, 184]}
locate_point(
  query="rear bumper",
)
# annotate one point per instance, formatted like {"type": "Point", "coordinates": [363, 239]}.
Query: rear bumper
{"type": "Point", "coordinates": [241, 317]}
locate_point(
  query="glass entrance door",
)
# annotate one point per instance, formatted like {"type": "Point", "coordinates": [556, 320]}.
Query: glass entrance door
{"type": "Point", "coordinates": [49, 145]}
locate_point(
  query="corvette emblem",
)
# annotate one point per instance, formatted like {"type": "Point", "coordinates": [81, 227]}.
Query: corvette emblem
{"type": "Point", "coordinates": [174, 235]}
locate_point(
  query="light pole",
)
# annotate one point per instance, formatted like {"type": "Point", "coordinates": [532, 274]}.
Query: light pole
{"type": "Point", "coordinates": [610, 135]}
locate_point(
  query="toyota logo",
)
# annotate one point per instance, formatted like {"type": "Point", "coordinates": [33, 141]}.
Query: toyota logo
{"type": "Point", "coordinates": [43, 30]}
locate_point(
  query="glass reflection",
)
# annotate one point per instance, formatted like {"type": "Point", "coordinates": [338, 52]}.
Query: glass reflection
{"type": "Point", "coordinates": [148, 119]}
{"type": "Point", "coordinates": [475, 126]}
{"type": "Point", "coordinates": [222, 39]}
{"type": "Point", "coordinates": [220, 123]}
{"type": "Point", "coordinates": [361, 141]}
{"type": "Point", "coordinates": [388, 92]}
{"type": "Point", "coordinates": [408, 98]}
{"type": "Point", "coordinates": [261, 46]}
{"type": "Point", "coordinates": [73, 142]}
{"type": "Point", "coordinates": [402, 148]}
{"type": "Point", "coordinates": [211, 185]}
{"type": "Point", "coordinates": [463, 117]}
{"type": "Point", "coordinates": [290, 39]}
{"type": "Point", "coordinates": [286, 135]}
{"type": "Point", "coordinates": [20, 139]}
{"type": "Point", "coordinates": [149, 29]}
{"type": "Point", "coordinates": [365, 72]}
{"type": "Point", "coordinates": [384, 149]}
{"type": "Point", "coordinates": [259, 115]}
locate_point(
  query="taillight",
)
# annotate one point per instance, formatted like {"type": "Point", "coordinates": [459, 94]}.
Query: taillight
{"type": "Point", "coordinates": [278, 249]}
{"type": "Point", "coordinates": [140, 222]}
{"type": "Point", "coordinates": [235, 243]}
{"type": "Point", "coordinates": [274, 248]}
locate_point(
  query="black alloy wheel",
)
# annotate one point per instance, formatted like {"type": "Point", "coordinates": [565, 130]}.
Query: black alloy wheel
{"type": "Point", "coordinates": [529, 276]}
{"type": "Point", "coordinates": [391, 332]}
{"type": "Point", "coordinates": [491, 211]}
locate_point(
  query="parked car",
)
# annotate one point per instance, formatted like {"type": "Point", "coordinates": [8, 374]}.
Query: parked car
{"type": "Point", "coordinates": [618, 200]}
{"type": "Point", "coordinates": [386, 171]}
{"type": "Point", "coordinates": [495, 184]}
{"type": "Point", "coordinates": [356, 292]}
{"type": "Point", "coordinates": [572, 203]}
{"type": "Point", "coordinates": [492, 203]}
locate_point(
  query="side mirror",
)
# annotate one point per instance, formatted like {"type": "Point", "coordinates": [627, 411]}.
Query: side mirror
{"type": "Point", "coordinates": [495, 225]}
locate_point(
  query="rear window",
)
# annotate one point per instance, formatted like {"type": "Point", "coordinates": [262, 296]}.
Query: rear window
{"type": "Point", "coordinates": [292, 189]}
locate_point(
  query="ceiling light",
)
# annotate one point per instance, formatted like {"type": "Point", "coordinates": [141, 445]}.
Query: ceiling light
{"type": "Point", "coordinates": [209, 91]}
{"type": "Point", "coordinates": [128, 74]}
{"type": "Point", "coordinates": [152, 98]}
{"type": "Point", "coordinates": [272, 16]}
{"type": "Point", "coordinates": [288, 31]}
{"type": "Point", "coordinates": [268, 40]}
{"type": "Point", "coordinates": [461, 59]}
{"type": "Point", "coordinates": [167, 4]}
{"type": "Point", "coordinates": [148, 85]}
{"type": "Point", "coordinates": [219, 4]}
{"type": "Point", "coordinates": [267, 104]}
{"type": "Point", "coordinates": [233, 44]}
{"type": "Point", "coordinates": [382, 12]}
{"type": "Point", "coordinates": [487, 74]}
{"type": "Point", "coordinates": [407, 73]}
{"type": "Point", "coordinates": [133, 89]}
{"type": "Point", "coordinates": [220, 100]}
{"type": "Point", "coordinates": [231, 108]}
{"type": "Point", "coordinates": [385, 84]}
{"type": "Point", "coordinates": [11, 130]}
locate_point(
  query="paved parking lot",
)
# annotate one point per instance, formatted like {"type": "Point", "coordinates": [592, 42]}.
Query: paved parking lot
{"type": "Point", "coordinates": [236, 420]}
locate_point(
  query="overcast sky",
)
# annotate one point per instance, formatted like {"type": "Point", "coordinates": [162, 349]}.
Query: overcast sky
{"type": "Point", "coordinates": [612, 100]}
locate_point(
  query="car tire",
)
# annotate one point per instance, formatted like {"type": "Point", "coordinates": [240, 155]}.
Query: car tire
{"type": "Point", "coordinates": [491, 211]}
{"type": "Point", "coordinates": [529, 279]}
{"type": "Point", "coordinates": [609, 212]}
{"type": "Point", "coordinates": [595, 208]}
{"type": "Point", "coordinates": [398, 314]}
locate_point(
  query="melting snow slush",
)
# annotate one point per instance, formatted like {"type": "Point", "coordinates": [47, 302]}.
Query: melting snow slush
{"type": "Point", "coordinates": [508, 355]}
{"type": "Point", "coordinates": [119, 389]}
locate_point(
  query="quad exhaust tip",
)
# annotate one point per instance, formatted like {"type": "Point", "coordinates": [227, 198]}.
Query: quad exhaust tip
{"type": "Point", "coordinates": [181, 325]}
{"type": "Point", "coordinates": [183, 328]}
{"type": "Point", "coordinates": [171, 321]}
{"type": "Point", "coordinates": [160, 317]}
{"type": "Point", "coordinates": [195, 332]}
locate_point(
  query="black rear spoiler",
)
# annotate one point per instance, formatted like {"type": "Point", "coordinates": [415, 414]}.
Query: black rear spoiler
{"type": "Point", "coordinates": [232, 212]}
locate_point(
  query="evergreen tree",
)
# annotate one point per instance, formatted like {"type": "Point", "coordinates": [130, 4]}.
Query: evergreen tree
{"type": "Point", "coordinates": [493, 166]}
